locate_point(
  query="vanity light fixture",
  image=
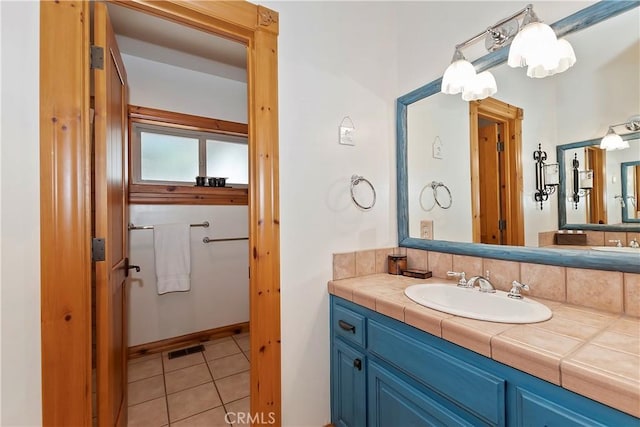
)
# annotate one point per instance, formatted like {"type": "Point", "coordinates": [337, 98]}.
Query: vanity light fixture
{"type": "Point", "coordinates": [613, 141]}
{"type": "Point", "coordinates": [547, 176]}
{"type": "Point", "coordinates": [533, 44]}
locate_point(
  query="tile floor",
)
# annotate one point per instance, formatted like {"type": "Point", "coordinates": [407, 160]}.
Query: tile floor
{"type": "Point", "coordinates": [194, 390]}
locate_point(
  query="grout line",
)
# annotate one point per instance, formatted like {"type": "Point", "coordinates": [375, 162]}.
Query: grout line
{"type": "Point", "coordinates": [184, 367]}
{"type": "Point", "coordinates": [232, 374]}
{"type": "Point", "coordinates": [166, 397]}
{"type": "Point", "coordinates": [198, 413]}
{"type": "Point", "coordinates": [216, 387]}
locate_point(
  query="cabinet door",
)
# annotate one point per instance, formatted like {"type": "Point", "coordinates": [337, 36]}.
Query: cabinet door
{"type": "Point", "coordinates": [392, 403]}
{"type": "Point", "coordinates": [534, 410]}
{"type": "Point", "coordinates": [348, 382]}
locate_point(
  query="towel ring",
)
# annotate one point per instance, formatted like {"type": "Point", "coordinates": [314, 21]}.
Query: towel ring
{"type": "Point", "coordinates": [435, 186]}
{"type": "Point", "coordinates": [355, 180]}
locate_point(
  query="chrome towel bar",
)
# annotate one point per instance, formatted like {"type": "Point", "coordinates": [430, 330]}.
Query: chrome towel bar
{"type": "Point", "coordinates": [150, 227]}
{"type": "Point", "coordinates": [227, 239]}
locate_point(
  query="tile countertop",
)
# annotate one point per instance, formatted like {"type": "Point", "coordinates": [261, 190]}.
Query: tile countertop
{"type": "Point", "coordinates": [593, 353]}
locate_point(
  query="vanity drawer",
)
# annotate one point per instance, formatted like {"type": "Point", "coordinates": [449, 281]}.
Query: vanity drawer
{"type": "Point", "coordinates": [479, 392]}
{"type": "Point", "coordinates": [349, 325]}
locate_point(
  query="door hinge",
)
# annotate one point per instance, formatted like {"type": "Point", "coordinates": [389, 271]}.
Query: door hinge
{"type": "Point", "coordinates": [97, 57]}
{"type": "Point", "coordinates": [97, 249]}
{"type": "Point", "coordinates": [500, 146]}
{"type": "Point", "coordinates": [502, 224]}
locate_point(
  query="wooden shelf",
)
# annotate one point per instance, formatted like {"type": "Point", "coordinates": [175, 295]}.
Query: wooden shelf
{"type": "Point", "coordinates": [186, 195]}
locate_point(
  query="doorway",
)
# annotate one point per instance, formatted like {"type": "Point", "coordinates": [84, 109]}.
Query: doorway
{"type": "Point", "coordinates": [496, 172]}
{"type": "Point", "coordinates": [595, 160]}
{"type": "Point", "coordinates": [66, 195]}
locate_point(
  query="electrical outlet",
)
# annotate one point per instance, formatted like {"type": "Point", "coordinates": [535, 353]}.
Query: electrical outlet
{"type": "Point", "coordinates": [426, 229]}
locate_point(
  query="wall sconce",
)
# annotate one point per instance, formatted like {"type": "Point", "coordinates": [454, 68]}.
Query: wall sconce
{"type": "Point", "coordinates": [613, 141]}
{"type": "Point", "coordinates": [534, 45]}
{"type": "Point", "coordinates": [582, 182]}
{"type": "Point", "coordinates": [547, 176]}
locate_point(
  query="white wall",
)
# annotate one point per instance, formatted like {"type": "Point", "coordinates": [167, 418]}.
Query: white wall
{"type": "Point", "coordinates": [335, 59]}
{"type": "Point", "coordinates": [20, 215]}
{"type": "Point", "coordinates": [167, 87]}
{"type": "Point", "coordinates": [219, 293]}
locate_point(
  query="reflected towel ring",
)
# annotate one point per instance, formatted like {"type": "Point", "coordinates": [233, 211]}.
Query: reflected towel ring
{"type": "Point", "coordinates": [355, 180]}
{"type": "Point", "coordinates": [435, 186]}
{"type": "Point", "coordinates": [421, 194]}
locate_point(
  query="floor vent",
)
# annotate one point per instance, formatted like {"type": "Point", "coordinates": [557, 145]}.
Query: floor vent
{"type": "Point", "coordinates": [186, 351]}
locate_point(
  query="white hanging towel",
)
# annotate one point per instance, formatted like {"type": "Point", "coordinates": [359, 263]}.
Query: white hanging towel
{"type": "Point", "coordinates": [171, 243]}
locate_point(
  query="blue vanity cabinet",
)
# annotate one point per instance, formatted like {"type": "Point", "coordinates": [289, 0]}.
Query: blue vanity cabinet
{"type": "Point", "coordinates": [385, 373]}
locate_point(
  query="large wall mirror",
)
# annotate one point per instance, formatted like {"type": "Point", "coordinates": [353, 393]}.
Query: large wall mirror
{"type": "Point", "coordinates": [439, 185]}
{"type": "Point", "coordinates": [608, 198]}
{"type": "Point", "coordinates": [630, 173]}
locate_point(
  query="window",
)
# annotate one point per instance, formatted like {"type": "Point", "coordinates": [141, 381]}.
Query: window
{"type": "Point", "coordinates": [167, 155]}
{"type": "Point", "coordinates": [168, 150]}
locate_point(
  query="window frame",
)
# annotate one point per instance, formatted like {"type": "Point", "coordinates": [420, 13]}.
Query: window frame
{"type": "Point", "coordinates": [168, 192]}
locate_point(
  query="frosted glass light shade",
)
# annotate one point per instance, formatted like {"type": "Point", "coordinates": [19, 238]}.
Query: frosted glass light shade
{"type": "Point", "coordinates": [457, 76]}
{"type": "Point", "coordinates": [537, 48]}
{"type": "Point", "coordinates": [562, 52]}
{"type": "Point", "coordinates": [531, 45]}
{"type": "Point", "coordinates": [482, 86]}
{"type": "Point", "coordinates": [613, 141]}
{"type": "Point", "coordinates": [566, 55]}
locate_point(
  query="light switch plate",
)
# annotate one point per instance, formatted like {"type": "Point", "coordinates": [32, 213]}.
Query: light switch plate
{"type": "Point", "coordinates": [426, 229]}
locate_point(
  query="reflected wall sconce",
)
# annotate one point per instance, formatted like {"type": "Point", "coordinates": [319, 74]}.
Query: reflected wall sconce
{"type": "Point", "coordinates": [547, 176]}
{"type": "Point", "coordinates": [582, 182]}
{"type": "Point", "coordinates": [613, 141]}
{"type": "Point", "coordinates": [533, 44]}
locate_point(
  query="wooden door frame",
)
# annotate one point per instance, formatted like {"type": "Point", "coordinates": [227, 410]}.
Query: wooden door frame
{"type": "Point", "coordinates": [65, 199]}
{"type": "Point", "coordinates": [512, 117]}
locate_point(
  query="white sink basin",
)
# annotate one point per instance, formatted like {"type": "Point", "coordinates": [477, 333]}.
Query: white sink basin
{"type": "Point", "coordinates": [624, 250]}
{"type": "Point", "coordinates": [471, 303]}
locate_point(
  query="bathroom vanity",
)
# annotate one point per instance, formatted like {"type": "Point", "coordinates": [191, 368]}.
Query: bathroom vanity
{"type": "Point", "coordinates": [386, 372]}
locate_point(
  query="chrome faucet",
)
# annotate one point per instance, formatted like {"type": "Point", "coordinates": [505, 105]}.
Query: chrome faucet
{"type": "Point", "coordinates": [634, 243]}
{"type": "Point", "coordinates": [617, 242]}
{"type": "Point", "coordinates": [516, 288]}
{"type": "Point", "coordinates": [483, 282]}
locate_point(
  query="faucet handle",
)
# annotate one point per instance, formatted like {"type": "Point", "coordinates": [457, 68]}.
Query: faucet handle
{"type": "Point", "coordinates": [634, 243]}
{"type": "Point", "coordinates": [516, 288]}
{"type": "Point", "coordinates": [463, 280]}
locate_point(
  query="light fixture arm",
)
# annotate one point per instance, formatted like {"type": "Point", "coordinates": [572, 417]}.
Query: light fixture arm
{"type": "Point", "coordinates": [631, 125]}
{"type": "Point", "coordinates": [493, 29]}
